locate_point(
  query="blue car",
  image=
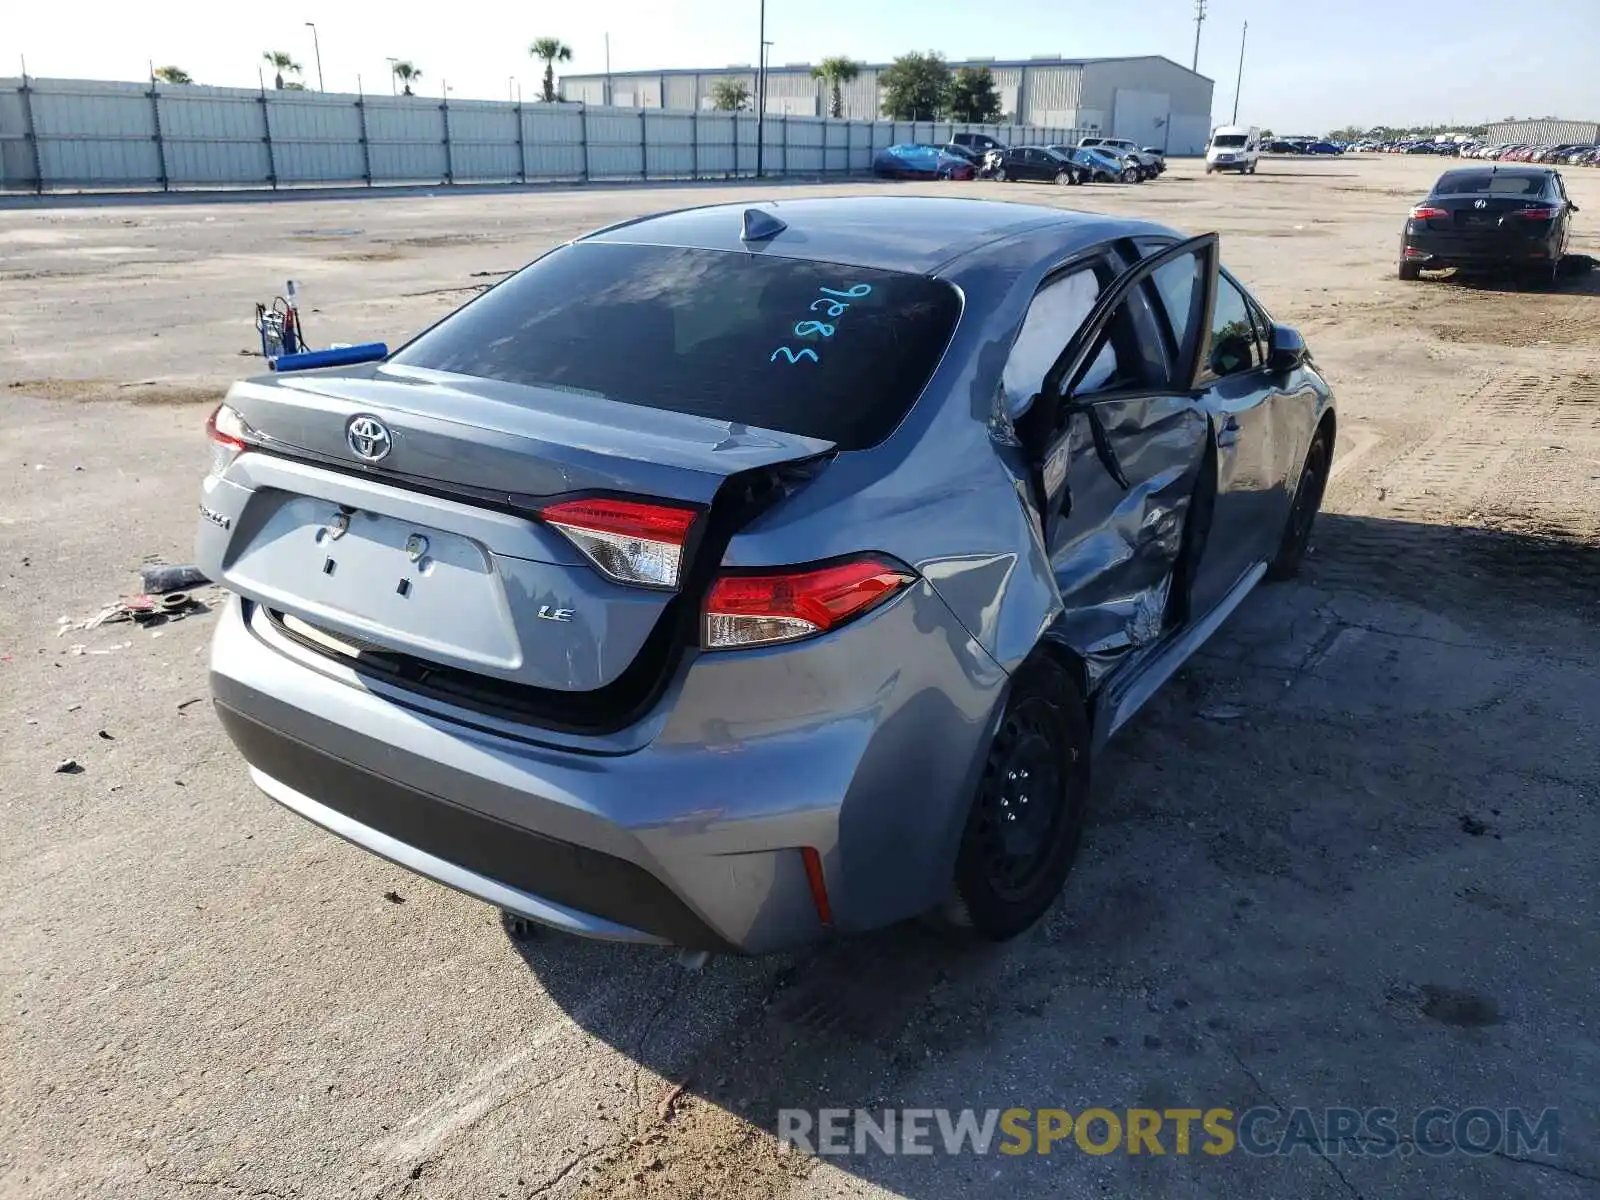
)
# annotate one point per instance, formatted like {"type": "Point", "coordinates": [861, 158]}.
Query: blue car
{"type": "Point", "coordinates": [916, 161]}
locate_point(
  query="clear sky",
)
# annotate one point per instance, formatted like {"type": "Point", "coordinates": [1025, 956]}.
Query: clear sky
{"type": "Point", "coordinates": [1311, 65]}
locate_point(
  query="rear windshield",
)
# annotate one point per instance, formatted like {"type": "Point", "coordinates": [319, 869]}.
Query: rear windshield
{"type": "Point", "coordinates": [1469, 183]}
{"type": "Point", "coordinates": [817, 349]}
{"type": "Point", "coordinates": [1229, 139]}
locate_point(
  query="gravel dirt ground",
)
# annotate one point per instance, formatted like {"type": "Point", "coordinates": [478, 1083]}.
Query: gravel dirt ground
{"type": "Point", "coordinates": [1347, 858]}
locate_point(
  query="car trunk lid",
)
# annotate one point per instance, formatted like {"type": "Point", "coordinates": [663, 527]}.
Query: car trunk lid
{"type": "Point", "coordinates": [403, 516]}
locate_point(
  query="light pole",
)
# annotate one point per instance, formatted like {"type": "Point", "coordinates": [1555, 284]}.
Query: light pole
{"type": "Point", "coordinates": [1238, 83]}
{"type": "Point", "coordinates": [761, 92]}
{"type": "Point", "coordinates": [316, 47]}
{"type": "Point", "coordinates": [392, 90]}
{"type": "Point", "coordinates": [1199, 20]}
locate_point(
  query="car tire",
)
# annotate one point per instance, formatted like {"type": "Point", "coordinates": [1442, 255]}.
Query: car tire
{"type": "Point", "coordinates": [1063, 178]}
{"type": "Point", "coordinates": [1000, 175]}
{"type": "Point", "coordinates": [1208, 170]}
{"type": "Point", "coordinates": [1303, 510]}
{"type": "Point", "coordinates": [1034, 788]}
{"type": "Point", "coordinates": [1251, 169]}
{"type": "Point", "coordinates": [1129, 175]}
{"type": "Point", "coordinates": [1410, 272]}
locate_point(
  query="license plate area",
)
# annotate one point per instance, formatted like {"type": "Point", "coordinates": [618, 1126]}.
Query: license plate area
{"type": "Point", "coordinates": [404, 586]}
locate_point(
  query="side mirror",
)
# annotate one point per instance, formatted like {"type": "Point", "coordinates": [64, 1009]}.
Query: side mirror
{"type": "Point", "coordinates": [1288, 350]}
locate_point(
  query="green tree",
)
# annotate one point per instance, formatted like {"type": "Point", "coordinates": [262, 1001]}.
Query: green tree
{"type": "Point", "coordinates": [550, 51]}
{"type": "Point", "coordinates": [730, 95]}
{"type": "Point", "coordinates": [973, 98]}
{"type": "Point", "coordinates": [916, 87]}
{"type": "Point", "coordinates": [173, 75]}
{"type": "Point", "coordinates": [407, 73]}
{"type": "Point", "coordinates": [280, 62]}
{"type": "Point", "coordinates": [837, 72]}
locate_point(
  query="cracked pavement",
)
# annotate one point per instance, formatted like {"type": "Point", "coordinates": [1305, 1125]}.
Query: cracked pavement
{"type": "Point", "coordinates": [1345, 859]}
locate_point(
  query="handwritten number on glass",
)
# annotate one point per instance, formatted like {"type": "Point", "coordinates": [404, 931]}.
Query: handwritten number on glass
{"type": "Point", "coordinates": [835, 308]}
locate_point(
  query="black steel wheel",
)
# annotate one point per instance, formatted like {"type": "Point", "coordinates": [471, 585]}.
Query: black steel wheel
{"type": "Point", "coordinates": [1027, 819]}
{"type": "Point", "coordinates": [1303, 511]}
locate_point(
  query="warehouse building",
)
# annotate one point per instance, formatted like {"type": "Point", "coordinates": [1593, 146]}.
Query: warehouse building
{"type": "Point", "coordinates": [1150, 99]}
{"type": "Point", "coordinates": [1548, 132]}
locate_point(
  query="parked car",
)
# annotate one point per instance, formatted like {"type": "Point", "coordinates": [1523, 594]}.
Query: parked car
{"type": "Point", "coordinates": [635, 598]}
{"type": "Point", "coordinates": [914, 161]}
{"type": "Point", "coordinates": [1040, 164]}
{"type": "Point", "coordinates": [1502, 219]}
{"type": "Point", "coordinates": [978, 143]}
{"type": "Point", "coordinates": [1150, 165]}
{"type": "Point", "coordinates": [1096, 166]}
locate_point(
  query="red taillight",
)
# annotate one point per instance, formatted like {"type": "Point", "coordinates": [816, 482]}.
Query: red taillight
{"type": "Point", "coordinates": [1423, 212]}
{"type": "Point", "coordinates": [226, 429]}
{"type": "Point", "coordinates": [1534, 214]}
{"type": "Point", "coordinates": [819, 886]}
{"type": "Point", "coordinates": [760, 610]}
{"type": "Point", "coordinates": [631, 541]}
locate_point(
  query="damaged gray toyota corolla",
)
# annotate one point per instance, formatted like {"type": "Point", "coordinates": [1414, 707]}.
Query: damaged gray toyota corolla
{"type": "Point", "coordinates": [733, 578]}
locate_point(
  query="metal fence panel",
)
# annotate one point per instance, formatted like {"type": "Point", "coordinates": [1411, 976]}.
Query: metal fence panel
{"type": "Point", "coordinates": [616, 143]}
{"type": "Point", "coordinates": [85, 133]}
{"type": "Point", "coordinates": [405, 140]}
{"type": "Point", "coordinates": [554, 141]}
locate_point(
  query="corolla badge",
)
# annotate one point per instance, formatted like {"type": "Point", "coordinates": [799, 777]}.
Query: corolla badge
{"type": "Point", "coordinates": [368, 437]}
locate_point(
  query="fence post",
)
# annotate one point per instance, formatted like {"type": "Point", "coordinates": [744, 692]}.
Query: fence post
{"type": "Point", "coordinates": [785, 125]}
{"type": "Point", "coordinates": [449, 154]}
{"type": "Point", "coordinates": [367, 149]}
{"type": "Point", "coordinates": [266, 136]}
{"type": "Point", "coordinates": [694, 144]}
{"type": "Point", "coordinates": [161, 145]}
{"type": "Point", "coordinates": [583, 138]}
{"type": "Point", "coordinates": [644, 146]}
{"type": "Point", "coordinates": [734, 117]}
{"type": "Point", "coordinates": [32, 135]}
{"type": "Point", "coordinates": [522, 146]}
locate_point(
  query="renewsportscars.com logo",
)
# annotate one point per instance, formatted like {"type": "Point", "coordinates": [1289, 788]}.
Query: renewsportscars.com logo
{"type": "Point", "coordinates": [1262, 1132]}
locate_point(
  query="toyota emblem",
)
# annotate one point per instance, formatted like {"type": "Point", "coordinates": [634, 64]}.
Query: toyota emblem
{"type": "Point", "coordinates": [368, 438]}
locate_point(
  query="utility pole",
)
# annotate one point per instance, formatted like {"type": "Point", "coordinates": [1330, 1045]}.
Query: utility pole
{"type": "Point", "coordinates": [316, 46]}
{"type": "Point", "coordinates": [761, 92]}
{"type": "Point", "coordinates": [608, 71]}
{"type": "Point", "coordinates": [1199, 20]}
{"type": "Point", "coordinates": [392, 89]}
{"type": "Point", "coordinates": [1238, 83]}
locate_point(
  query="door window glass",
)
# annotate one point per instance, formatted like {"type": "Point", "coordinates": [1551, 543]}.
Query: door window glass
{"type": "Point", "coordinates": [1231, 349]}
{"type": "Point", "coordinates": [1055, 315]}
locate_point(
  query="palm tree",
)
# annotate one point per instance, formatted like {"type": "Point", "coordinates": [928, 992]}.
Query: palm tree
{"type": "Point", "coordinates": [837, 71]}
{"type": "Point", "coordinates": [551, 51]}
{"type": "Point", "coordinates": [173, 75]}
{"type": "Point", "coordinates": [281, 62]}
{"type": "Point", "coordinates": [407, 73]}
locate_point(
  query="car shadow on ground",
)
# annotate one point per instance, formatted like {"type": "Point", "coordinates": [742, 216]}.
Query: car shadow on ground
{"type": "Point", "coordinates": [1311, 779]}
{"type": "Point", "coordinates": [1579, 276]}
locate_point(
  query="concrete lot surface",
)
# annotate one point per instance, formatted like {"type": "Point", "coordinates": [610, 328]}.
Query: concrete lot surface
{"type": "Point", "coordinates": [1346, 859]}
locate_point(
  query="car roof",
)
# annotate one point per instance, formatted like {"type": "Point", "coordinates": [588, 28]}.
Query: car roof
{"type": "Point", "coordinates": [916, 234]}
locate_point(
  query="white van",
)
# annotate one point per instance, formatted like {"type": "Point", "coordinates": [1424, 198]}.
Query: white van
{"type": "Point", "coordinates": [1234, 148]}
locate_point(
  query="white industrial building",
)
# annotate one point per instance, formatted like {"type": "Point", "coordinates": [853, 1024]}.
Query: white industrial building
{"type": "Point", "coordinates": [1150, 99]}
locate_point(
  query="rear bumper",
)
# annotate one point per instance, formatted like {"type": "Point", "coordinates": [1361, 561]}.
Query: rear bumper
{"type": "Point", "coordinates": [863, 745]}
{"type": "Point", "coordinates": [1488, 249]}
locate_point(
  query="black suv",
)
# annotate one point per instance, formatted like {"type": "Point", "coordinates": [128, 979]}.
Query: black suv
{"type": "Point", "coordinates": [978, 143]}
